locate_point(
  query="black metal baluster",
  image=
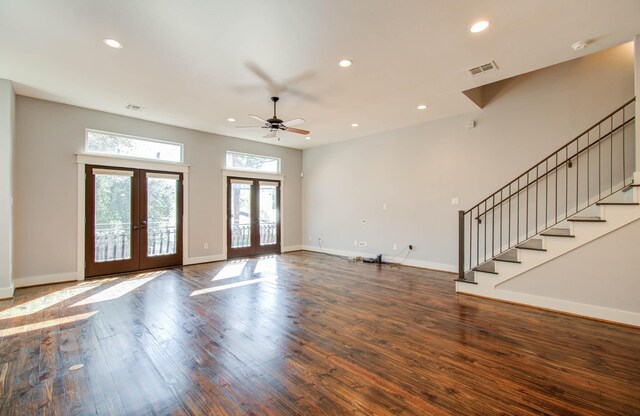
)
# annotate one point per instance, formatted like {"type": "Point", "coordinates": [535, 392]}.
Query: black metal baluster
{"type": "Point", "coordinates": [518, 214]}
{"type": "Point", "coordinates": [624, 168]}
{"type": "Point", "coordinates": [470, 239]}
{"type": "Point", "coordinates": [577, 171]}
{"type": "Point", "coordinates": [556, 189]}
{"type": "Point", "coordinates": [485, 230]}
{"type": "Point", "coordinates": [509, 232]}
{"type": "Point", "coordinates": [566, 178]}
{"type": "Point", "coordinates": [493, 224]}
{"type": "Point", "coordinates": [527, 209]}
{"type": "Point", "coordinates": [537, 183]}
{"type": "Point", "coordinates": [599, 163]}
{"type": "Point", "coordinates": [478, 236]}
{"type": "Point", "coordinates": [501, 216]}
{"type": "Point", "coordinates": [546, 193]}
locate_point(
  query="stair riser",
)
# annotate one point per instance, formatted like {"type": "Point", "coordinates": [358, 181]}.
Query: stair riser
{"type": "Point", "coordinates": [557, 246]}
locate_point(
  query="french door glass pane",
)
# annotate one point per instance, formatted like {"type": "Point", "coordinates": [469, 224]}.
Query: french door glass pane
{"type": "Point", "coordinates": [240, 215]}
{"type": "Point", "coordinates": [268, 214]}
{"type": "Point", "coordinates": [162, 212]}
{"type": "Point", "coordinates": [113, 218]}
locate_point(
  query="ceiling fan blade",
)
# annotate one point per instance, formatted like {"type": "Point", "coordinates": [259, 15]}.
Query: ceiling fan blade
{"type": "Point", "coordinates": [293, 122]}
{"type": "Point", "coordinates": [270, 135]}
{"type": "Point", "coordinates": [298, 131]}
{"type": "Point", "coordinates": [249, 127]}
{"type": "Point", "coordinates": [260, 119]}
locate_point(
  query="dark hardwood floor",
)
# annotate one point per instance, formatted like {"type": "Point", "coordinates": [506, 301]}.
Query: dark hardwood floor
{"type": "Point", "coordinates": [303, 334]}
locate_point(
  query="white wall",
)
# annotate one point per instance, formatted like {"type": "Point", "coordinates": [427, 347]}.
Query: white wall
{"type": "Point", "coordinates": [416, 171]}
{"type": "Point", "coordinates": [603, 273]}
{"type": "Point", "coordinates": [7, 122]}
{"type": "Point", "coordinates": [47, 137]}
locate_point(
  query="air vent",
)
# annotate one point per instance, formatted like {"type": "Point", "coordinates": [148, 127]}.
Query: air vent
{"type": "Point", "coordinates": [491, 66]}
{"type": "Point", "coordinates": [134, 107]}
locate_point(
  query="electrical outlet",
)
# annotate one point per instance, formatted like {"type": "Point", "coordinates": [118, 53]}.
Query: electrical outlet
{"type": "Point", "coordinates": [206, 246]}
{"type": "Point", "coordinates": [384, 206]}
{"type": "Point", "coordinates": [365, 243]}
{"type": "Point", "coordinates": [395, 246]}
{"type": "Point", "coordinates": [355, 243]}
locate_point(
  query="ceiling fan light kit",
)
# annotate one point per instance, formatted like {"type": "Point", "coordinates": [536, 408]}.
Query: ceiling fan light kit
{"type": "Point", "coordinates": [275, 125]}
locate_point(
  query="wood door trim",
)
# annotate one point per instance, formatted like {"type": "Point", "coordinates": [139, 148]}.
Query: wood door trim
{"type": "Point", "coordinates": [92, 268]}
{"type": "Point", "coordinates": [255, 248]}
{"type": "Point", "coordinates": [167, 260]}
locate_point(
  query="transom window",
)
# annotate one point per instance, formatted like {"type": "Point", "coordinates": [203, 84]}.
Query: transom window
{"type": "Point", "coordinates": [131, 146]}
{"type": "Point", "coordinates": [246, 161]}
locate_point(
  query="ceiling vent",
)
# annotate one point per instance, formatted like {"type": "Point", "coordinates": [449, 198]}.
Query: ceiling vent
{"type": "Point", "coordinates": [134, 107]}
{"type": "Point", "coordinates": [491, 66]}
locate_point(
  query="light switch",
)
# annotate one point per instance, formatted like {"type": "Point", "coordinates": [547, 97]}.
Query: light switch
{"type": "Point", "coordinates": [455, 201]}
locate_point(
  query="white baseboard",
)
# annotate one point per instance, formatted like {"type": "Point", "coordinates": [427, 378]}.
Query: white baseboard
{"type": "Point", "coordinates": [7, 292]}
{"type": "Point", "coordinates": [422, 264]}
{"type": "Point", "coordinates": [560, 305]}
{"type": "Point", "coordinates": [46, 279]}
{"type": "Point", "coordinates": [204, 259]}
{"type": "Point", "coordinates": [291, 248]}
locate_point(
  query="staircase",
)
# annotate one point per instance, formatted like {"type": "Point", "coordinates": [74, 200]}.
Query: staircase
{"type": "Point", "coordinates": [581, 192]}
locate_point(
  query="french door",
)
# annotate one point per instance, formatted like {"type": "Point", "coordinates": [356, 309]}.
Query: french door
{"type": "Point", "coordinates": [133, 220]}
{"type": "Point", "coordinates": [253, 217]}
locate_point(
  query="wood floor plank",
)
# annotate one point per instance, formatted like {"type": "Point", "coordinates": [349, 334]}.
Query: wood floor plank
{"type": "Point", "coordinates": [304, 333]}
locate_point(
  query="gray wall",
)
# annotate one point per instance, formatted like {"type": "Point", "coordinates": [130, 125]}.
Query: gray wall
{"type": "Point", "coordinates": [7, 135]}
{"type": "Point", "coordinates": [416, 171]}
{"type": "Point", "coordinates": [47, 137]}
{"type": "Point", "coordinates": [603, 273]}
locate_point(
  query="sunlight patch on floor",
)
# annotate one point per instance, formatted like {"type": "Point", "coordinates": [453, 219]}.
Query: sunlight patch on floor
{"type": "Point", "coordinates": [266, 265]}
{"type": "Point", "coordinates": [118, 290]}
{"type": "Point", "coordinates": [231, 269]}
{"type": "Point", "coordinates": [232, 285]}
{"type": "Point", "coordinates": [45, 324]}
{"type": "Point", "coordinates": [43, 302]}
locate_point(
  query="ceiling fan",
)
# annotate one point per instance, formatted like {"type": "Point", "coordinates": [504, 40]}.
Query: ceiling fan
{"type": "Point", "coordinates": [274, 124]}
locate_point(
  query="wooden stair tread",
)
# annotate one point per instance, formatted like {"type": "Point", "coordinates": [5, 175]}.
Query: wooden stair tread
{"type": "Point", "coordinates": [617, 203]}
{"type": "Point", "coordinates": [486, 267]}
{"type": "Point", "coordinates": [557, 232]}
{"type": "Point", "coordinates": [532, 244]}
{"type": "Point", "coordinates": [586, 219]}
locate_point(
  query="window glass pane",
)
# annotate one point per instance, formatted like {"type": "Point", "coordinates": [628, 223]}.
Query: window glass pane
{"type": "Point", "coordinates": [162, 200]}
{"type": "Point", "coordinates": [121, 145]}
{"type": "Point", "coordinates": [253, 162]}
{"type": "Point", "coordinates": [240, 215]}
{"type": "Point", "coordinates": [268, 214]}
{"type": "Point", "coordinates": [113, 218]}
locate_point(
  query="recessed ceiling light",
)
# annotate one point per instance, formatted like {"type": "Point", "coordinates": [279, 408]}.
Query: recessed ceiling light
{"type": "Point", "coordinates": [580, 45]}
{"type": "Point", "coordinates": [479, 26]}
{"type": "Point", "coordinates": [308, 138]}
{"type": "Point", "coordinates": [345, 63]}
{"type": "Point", "coordinates": [422, 107]}
{"type": "Point", "coordinates": [355, 125]}
{"type": "Point", "coordinates": [231, 120]}
{"type": "Point", "coordinates": [113, 43]}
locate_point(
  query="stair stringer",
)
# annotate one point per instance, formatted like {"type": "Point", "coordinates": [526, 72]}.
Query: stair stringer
{"type": "Point", "coordinates": [488, 285]}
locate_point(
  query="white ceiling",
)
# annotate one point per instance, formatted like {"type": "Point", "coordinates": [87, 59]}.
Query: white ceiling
{"type": "Point", "coordinates": [188, 63]}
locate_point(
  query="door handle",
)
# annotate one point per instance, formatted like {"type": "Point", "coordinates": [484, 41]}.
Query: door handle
{"type": "Point", "coordinates": [144, 225]}
{"type": "Point", "coordinates": [135, 227]}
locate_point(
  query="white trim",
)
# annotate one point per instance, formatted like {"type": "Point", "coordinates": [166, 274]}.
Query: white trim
{"type": "Point", "coordinates": [46, 279]}
{"type": "Point", "coordinates": [291, 248]}
{"type": "Point", "coordinates": [170, 176]}
{"type": "Point", "coordinates": [140, 138]}
{"type": "Point", "coordinates": [422, 264]}
{"type": "Point", "coordinates": [204, 259]}
{"type": "Point", "coordinates": [113, 172]}
{"type": "Point", "coordinates": [252, 175]}
{"type": "Point", "coordinates": [583, 309]}
{"type": "Point", "coordinates": [7, 292]}
{"type": "Point", "coordinates": [83, 159]}
{"type": "Point", "coordinates": [130, 162]}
